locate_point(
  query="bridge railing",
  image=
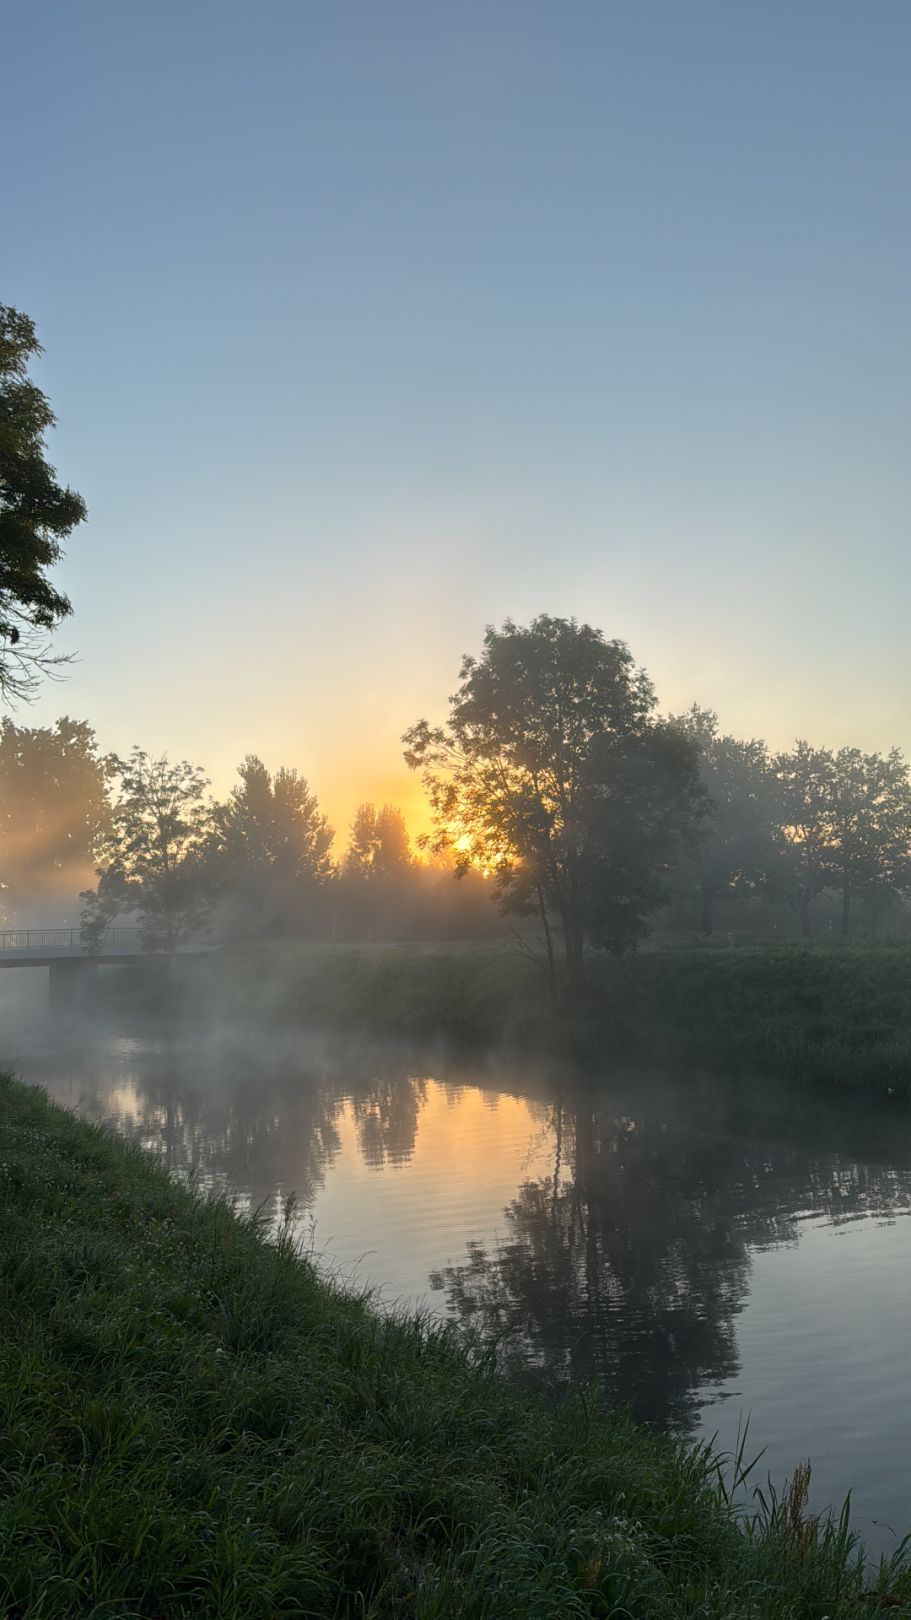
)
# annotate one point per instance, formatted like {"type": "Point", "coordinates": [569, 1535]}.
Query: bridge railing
{"type": "Point", "coordinates": [64, 939]}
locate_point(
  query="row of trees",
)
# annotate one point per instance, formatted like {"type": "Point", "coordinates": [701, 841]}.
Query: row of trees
{"type": "Point", "coordinates": [554, 775]}
{"type": "Point", "coordinates": [557, 775]}
{"type": "Point", "coordinates": [555, 786]}
{"type": "Point", "coordinates": [143, 840]}
{"type": "Point", "coordinates": [799, 824]}
{"type": "Point", "coordinates": [261, 863]}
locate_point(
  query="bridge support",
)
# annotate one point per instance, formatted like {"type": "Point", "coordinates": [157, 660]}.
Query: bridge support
{"type": "Point", "coordinates": [71, 982]}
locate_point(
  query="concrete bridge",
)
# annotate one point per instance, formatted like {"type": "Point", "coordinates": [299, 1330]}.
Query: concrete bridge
{"type": "Point", "coordinates": [71, 967]}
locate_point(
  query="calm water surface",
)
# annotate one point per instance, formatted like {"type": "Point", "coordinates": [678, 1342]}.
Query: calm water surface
{"type": "Point", "coordinates": [710, 1251]}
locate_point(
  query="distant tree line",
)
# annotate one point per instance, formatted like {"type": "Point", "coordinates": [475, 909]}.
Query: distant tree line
{"type": "Point", "coordinates": [797, 827]}
{"type": "Point", "coordinates": [594, 814]}
{"type": "Point", "coordinates": [556, 788]}
{"type": "Point", "coordinates": [141, 841]}
{"type": "Point", "coordinates": [555, 785]}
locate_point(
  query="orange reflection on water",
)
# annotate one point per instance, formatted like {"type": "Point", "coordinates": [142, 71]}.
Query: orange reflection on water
{"type": "Point", "coordinates": [460, 1163]}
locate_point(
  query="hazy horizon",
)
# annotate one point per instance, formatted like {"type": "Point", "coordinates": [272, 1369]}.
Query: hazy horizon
{"type": "Point", "coordinates": [367, 329]}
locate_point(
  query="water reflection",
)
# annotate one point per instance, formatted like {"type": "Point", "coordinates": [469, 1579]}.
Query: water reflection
{"type": "Point", "coordinates": [611, 1227]}
{"type": "Point", "coordinates": [242, 1111]}
{"type": "Point", "coordinates": [631, 1261]}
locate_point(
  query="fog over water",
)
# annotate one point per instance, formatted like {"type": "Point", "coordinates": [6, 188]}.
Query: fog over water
{"type": "Point", "coordinates": [707, 1250]}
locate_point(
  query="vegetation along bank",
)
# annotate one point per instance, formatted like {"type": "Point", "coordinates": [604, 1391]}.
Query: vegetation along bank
{"type": "Point", "coordinates": [833, 1013]}
{"type": "Point", "coordinates": [195, 1423]}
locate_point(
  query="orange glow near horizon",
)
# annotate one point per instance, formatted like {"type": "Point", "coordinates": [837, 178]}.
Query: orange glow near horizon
{"type": "Point", "coordinates": [342, 795]}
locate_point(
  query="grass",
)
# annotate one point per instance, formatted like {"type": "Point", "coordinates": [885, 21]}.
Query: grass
{"type": "Point", "coordinates": [193, 1422]}
{"type": "Point", "coordinates": [837, 1013]}
{"type": "Point", "coordinates": [832, 1013]}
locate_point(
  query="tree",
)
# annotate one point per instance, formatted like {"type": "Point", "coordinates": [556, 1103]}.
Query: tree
{"type": "Point", "coordinates": [54, 811]}
{"type": "Point", "coordinates": [804, 830]}
{"type": "Point", "coordinates": [379, 846]}
{"type": "Point", "coordinates": [378, 892]}
{"type": "Point", "coordinates": [736, 847]}
{"type": "Point", "coordinates": [152, 861]}
{"type": "Point", "coordinates": [271, 846]}
{"type": "Point", "coordinates": [554, 775]}
{"type": "Point", "coordinates": [393, 858]}
{"type": "Point", "coordinates": [362, 844]}
{"type": "Point", "coordinates": [871, 826]}
{"type": "Point", "coordinates": [36, 514]}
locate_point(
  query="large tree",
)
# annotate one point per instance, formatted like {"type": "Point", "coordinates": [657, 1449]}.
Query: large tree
{"type": "Point", "coordinates": [36, 514]}
{"type": "Point", "coordinates": [736, 847]}
{"type": "Point", "coordinates": [151, 864]}
{"type": "Point", "coordinates": [272, 847]}
{"type": "Point", "coordinates": [555, 776]}
{"type": "Point", "coordinates": [54, 813]}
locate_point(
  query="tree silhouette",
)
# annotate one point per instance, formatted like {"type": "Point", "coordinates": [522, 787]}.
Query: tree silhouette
{"type": "Point", "coordinates": [554, 775]}
{"type": "Point", "coordinates": [54, 812]}
{"type": "Point", "coordinates": [378, 846]}
{"type": "Point", "coordinates": [871, 826]}
{"type": "Point", "coordinates": [735, 851]}
{"type": "Point", "coordinates": [271, 849]}
{"type": "Point", "coordinates": [804, 833]}
{"type": "Point", "coordinates": [151, 862]}
{"type": "Point", "coordinates": [36, 515]}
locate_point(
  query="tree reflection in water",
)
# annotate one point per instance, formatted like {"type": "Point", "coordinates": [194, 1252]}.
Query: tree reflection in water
{"type": "Point", "coordinates": [245, 1110]}
{"type": "Point", "coordinates": [630, 1263]}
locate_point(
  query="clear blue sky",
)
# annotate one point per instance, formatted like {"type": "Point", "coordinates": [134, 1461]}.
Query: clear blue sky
{"type": "Point", "coordinates": [367, 324]}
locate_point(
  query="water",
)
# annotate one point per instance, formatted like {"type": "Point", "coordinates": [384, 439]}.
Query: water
{"type": "Point", "coordinates": [709, 1250]}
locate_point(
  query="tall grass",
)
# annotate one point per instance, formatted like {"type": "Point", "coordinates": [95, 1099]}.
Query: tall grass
{"type": "Point", "coordinates": [193, 1422]}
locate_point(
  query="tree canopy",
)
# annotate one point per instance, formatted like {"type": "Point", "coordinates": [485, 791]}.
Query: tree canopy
{"type": "Point", "coordinates": [270, 847]}
{"type": "Point", "coordinates": [54, 813]}
{"type": "Point", "coordinates": [804, 833]}
{"type": "Point", "coordinates": [36, 514]}
{"type": "Point", "coordinates": [735, 848]}
{"type": "Point", "coordinates": [379, 847]}
{"type": "Point", "coordinates": [554, 775]}
{"type": "Point", "coordinates": [871, 821]}
{"type": "Point", "coordinates": [151, 861]}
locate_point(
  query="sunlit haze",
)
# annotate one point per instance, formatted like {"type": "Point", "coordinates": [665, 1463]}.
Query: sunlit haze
{"type": "Point", "coordinates": [368, 325]}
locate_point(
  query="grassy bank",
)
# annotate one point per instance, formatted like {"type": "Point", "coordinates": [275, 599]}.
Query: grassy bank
{"type": "Point", "coordinates": [822, 1012]}
{"type": "Point", "coordinates": [193, 1423]}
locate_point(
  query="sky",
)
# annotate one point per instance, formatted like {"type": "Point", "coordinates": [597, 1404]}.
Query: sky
{"type": "Point", "coordinates": [367, 325]}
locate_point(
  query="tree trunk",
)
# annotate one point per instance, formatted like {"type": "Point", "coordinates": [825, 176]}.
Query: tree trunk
{"type": "Point", "coordinates": [573, 945]}
{"type": "Point", "coordinates": [548, 942]}
{"type": "Point", "coordinates": [804, 904]}
{"type": "Point", "coordinates": [708, 909]}
{"type": "Point", "coordinates": [845, 910]}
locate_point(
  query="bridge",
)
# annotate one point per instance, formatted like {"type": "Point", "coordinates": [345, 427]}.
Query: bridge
{"type": "Point", "coordinates": [41, 947]}
{"type": "Point", "coordinates": [72, 967]}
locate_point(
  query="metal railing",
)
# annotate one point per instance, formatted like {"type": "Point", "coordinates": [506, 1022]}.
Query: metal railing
{"type": "Point", "coordinates": [64, 939]}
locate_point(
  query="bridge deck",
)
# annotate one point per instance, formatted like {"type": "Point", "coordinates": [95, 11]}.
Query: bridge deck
{"type": "Point", "coordinates": [11, 959]}
{"type": "Point", "coordinates": [45, 947]}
